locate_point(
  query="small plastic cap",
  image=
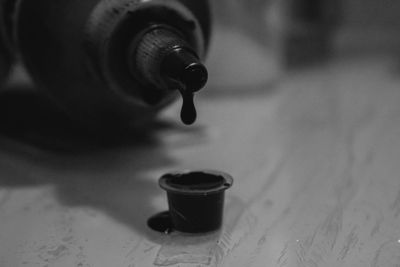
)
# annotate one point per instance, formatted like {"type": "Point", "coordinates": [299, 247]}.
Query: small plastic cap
{"type": "Point", "coordinates": [196, 199]}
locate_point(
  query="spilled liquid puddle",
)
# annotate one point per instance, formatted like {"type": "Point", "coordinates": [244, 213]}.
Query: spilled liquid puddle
{"type": "Point", "coordinates": [161, 222]}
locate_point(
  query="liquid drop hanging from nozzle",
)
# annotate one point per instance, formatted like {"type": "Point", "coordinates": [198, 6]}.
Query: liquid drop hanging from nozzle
{"type": "Point", "coordinates": [184, 68]}
{"type": "Point", "coordinates": [162, 57]}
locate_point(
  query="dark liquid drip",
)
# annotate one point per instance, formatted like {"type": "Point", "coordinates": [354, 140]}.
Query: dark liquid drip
{"type": "Point", "coordinates": [188, 111]}
{"type": "Point", "coordinates": [161, 222]}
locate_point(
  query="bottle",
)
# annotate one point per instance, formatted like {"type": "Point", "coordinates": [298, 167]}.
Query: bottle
{"type": "Point", "coordinates": [114, 63]}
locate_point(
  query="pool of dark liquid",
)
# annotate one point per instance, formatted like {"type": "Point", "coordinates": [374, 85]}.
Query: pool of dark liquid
{"type": "Point", "coordinates": [161, 222]}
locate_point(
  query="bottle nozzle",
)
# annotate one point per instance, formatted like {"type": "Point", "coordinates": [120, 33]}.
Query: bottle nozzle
{"type": "Point", "coordinates": [184, 67]}
{"type": "Point", "coordinates": [164, 59]}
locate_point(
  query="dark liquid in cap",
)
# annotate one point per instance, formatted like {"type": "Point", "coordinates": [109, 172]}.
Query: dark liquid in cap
{"type": "Point", "coordinates": [196, 181]}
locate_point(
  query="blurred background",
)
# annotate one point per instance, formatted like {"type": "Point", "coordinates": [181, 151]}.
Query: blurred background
{"type": "Point", "coordinates": [281, 35]}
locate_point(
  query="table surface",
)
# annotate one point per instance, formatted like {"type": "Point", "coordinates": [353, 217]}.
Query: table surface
{"type": "Point", "coordinates": [316, 163]}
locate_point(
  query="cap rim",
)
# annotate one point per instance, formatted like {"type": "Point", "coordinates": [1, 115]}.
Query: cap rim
{"type": "Point", "coordinates": [166, 184]}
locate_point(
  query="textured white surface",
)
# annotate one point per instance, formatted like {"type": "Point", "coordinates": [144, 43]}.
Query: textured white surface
{"type": "Point", "coordinates": [316, 164]}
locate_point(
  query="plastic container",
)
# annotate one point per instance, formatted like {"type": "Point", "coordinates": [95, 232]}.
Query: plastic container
{"type": "Point", "coordinates": [196, 199]}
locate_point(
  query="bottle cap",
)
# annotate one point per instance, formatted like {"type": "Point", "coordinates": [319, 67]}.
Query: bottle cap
{"type": "Point", "coordinates": [196, 199]}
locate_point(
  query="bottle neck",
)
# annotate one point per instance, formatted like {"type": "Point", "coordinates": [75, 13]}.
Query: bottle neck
{"type": "Point", "coordinates": [162, 59]}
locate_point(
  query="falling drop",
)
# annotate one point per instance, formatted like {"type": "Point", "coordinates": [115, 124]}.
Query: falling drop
{"type": "Point", "coordinates": [188, 111]}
